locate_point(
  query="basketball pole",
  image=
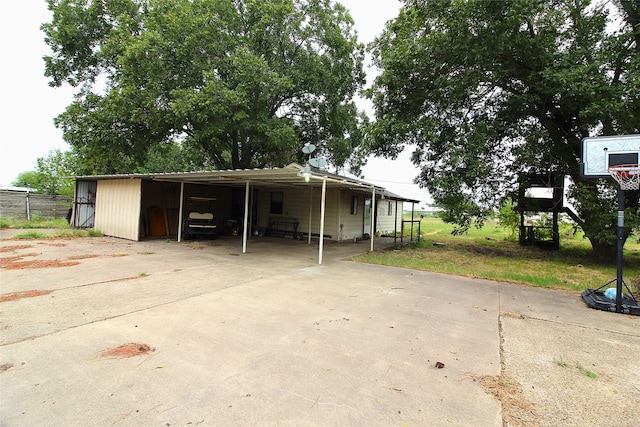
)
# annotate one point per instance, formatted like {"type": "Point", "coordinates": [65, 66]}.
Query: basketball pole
{"type": "Point", "coordinates": [619, 249]}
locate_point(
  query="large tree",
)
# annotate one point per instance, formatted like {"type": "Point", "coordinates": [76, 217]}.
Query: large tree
{"type": "Point", "coordinates": [244, 82]}
{"type": "Point", "coordinates": [488, 90]}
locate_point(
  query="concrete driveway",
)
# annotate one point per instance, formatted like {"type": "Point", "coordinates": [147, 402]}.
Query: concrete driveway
{"type": "Point", "coordinates": [271, 338]}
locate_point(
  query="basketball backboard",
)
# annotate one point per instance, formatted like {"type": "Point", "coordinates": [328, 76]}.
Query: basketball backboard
{"type": "Point", "coordinates": [601, 152]}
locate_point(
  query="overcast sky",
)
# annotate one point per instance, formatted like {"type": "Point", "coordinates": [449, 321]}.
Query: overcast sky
{"type": "Point", "coordinates": [28, 104]}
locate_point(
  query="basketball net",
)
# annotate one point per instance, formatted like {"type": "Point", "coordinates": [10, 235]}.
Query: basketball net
{"type": "Point", "coordinates": [628, 176]}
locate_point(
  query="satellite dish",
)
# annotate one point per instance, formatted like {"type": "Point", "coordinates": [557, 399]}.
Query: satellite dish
{"type": "Point", "coordinates": [308, 148]}
{"type": "Point", "coordinates": [318, 162]}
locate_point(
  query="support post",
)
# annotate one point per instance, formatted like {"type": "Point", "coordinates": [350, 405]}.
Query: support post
{"type": "Point", "coordinates": [413, 206]}
{"type": "Point", "coordinates": [310, 213]}
{"type": "Point", "coordinates": [324, 196]}
{"type": "Point", "coordinates": [395, 226]}
{"type": "Point", "coordinates": [373, 215]}
{"type": "Point", "coordinates": [246, 218]}
{"type": "Point", "coordinates": [619, 280]}
{"type": "Point", "coordinates": [180, 211]}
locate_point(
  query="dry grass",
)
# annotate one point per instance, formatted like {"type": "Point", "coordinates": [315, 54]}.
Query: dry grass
{"type": "Point", "coordinates": [516, 410]}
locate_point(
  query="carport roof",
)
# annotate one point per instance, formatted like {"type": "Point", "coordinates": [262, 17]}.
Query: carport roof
{"type": "Point", "coordinates": [268, 177]}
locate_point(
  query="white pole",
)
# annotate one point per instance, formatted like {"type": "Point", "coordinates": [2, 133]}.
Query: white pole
{"type": "Point", "coordinates": [310, 211]}
{"type": "Point", "coordinates": [180, 212]}
{"type": "Point", "coordinates": [324, 195]}
{"type": "Point", "coordinates": [246, 218]}
{"type": "Point", "coordinates": [28, 208]}
{"type": "Point", "coordinates": [373, 213]}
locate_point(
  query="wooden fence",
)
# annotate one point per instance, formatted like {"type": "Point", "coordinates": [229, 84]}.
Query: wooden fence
{"type": "Point", "coordinates": [19, 204]}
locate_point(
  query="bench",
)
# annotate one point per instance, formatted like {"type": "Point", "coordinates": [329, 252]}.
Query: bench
{"type": "Point", "coordinates": [283, 227]}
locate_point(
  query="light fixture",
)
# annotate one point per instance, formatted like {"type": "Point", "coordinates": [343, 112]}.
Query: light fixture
{"type": "Point", "coordinates": [306, 172]}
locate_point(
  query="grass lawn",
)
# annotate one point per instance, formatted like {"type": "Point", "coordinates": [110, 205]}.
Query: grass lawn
{"type": "Point", "coordinates": [492, 253]}
{"type": "Point", "coordinates": [59, 224]}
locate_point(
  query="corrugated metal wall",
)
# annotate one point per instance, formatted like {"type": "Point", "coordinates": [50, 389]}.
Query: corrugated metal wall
{"type": "Point", "coordinates": [118, 208]}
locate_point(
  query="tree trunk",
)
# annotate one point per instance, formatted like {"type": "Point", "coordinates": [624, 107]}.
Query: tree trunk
{"type": "Point", "coordinates": [604, 252]}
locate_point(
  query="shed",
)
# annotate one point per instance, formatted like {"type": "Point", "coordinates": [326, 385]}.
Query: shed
{"type": "Point", "coordinates": [293, 201]}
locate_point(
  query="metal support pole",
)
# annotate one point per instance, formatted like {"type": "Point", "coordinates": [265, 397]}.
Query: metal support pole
{"type": "Point", "coordinates": [619, 279]}
{"type": "Point", "coordinates": [373, 215]}
{"type": "Point", "coordinates": [413, 206]}
{"type": "Point", "coordinates": [324, 197]}
{"type": "Point", "coordinates": [310, 213]}
{"type": "Point", "coordinates": [180, 211]}
{"type": "Point", "coordinates": [395, 226]}
{"type": "Point", "coordinates": [246, 218]}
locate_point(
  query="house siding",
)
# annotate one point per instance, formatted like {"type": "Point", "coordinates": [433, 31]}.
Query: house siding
{"type": "Point", "coordinates": [118, 208]}
{"type": "Point", "coordinates": [384, 221]}
{"type": "Point", "coordinates": [296, 206]}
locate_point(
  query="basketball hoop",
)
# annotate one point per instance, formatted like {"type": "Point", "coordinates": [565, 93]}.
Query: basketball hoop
{"type": "Point", "coordinates": [628, 176]}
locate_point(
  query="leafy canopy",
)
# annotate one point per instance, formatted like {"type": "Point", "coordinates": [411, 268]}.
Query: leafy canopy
{"type": "Point", "coordinates": [242, 82]}
{"type": "Point", "coordinates": [487, 90]}
{"type": "Point", "coordinates": [53, 174]}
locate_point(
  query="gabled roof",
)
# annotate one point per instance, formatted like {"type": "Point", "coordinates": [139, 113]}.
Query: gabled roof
{"type": "Point", "coordinates": [288, 176]}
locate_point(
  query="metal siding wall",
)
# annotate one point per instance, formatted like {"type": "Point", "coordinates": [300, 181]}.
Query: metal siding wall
{"type": "Point", "coordinates": [296, 205]}
{"type": "Point", "coordinates": [118, 208]}
{"type": "Point", "coordinates": [384, 222]}
{"type": "Point", "coordinates": [353, 224]}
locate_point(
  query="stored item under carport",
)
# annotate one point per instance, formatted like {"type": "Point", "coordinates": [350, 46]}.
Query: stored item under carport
{"type": "Point", "coordinates": [201, 221]}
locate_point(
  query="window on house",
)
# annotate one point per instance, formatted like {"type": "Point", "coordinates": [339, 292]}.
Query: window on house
{"type": "Point", "coordinates": [354, 205]}
{"type": "Point", "coordinates": [389, 209]}
{"type": "Point", "coordinates": [276, 203]}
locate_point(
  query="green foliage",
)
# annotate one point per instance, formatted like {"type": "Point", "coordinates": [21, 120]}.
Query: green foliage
{"type": "Point", "coordinates": [29, 179]}
{"type": "Point", "coordinates": [509, 218]}
{"type": "Point", "coordinates": [489, 253]}
{"type": "Point", "coordinates": [240, 83]}
{"type": "Point", "coordinates": [36, 221]}
{"type": "Point", "coordinates": [53, 175]}
{"type": "Point", "coordinates": [486, 90]}
{"type": "Point", "coordinates": [33, 234]}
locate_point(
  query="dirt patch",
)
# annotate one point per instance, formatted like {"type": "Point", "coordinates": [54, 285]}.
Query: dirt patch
{"type": "Point", "coordinates": [23, 294]}
{"type": "Point", "coordinates": [10, 264]}
{"type": "Point", "coordinates": [516, 410]}
{"type": "Point", "coordinates": [128, 350]}
{"type": "Point", "coordinates": [14, 248]}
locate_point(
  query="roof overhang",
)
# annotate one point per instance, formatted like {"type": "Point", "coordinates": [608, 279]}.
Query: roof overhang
{"type": "Point", "coordinates": [288, 176]}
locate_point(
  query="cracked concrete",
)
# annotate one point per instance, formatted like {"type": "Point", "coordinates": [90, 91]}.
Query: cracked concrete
{"type": "Point", "coordinates": [271, 338]}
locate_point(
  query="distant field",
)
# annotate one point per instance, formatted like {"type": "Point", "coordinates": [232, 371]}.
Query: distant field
{"type": "Point", "coordinates": [493, 253]}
